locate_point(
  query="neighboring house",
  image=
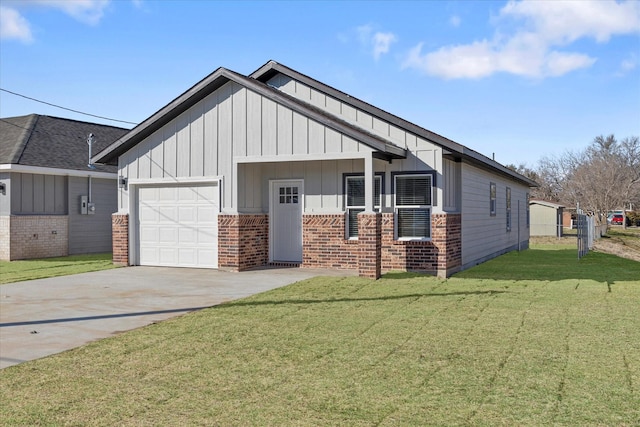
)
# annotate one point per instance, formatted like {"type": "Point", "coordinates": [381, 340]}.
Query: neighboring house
{"type": "Point", "coordinates": [546, 218]}
{"type": "Point", "coordinates": [276, 167]}
{"type": "Point", "coordinates": [44, 173]}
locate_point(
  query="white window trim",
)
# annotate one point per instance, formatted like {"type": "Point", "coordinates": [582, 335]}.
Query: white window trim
{"type": "Point", "coordinates": [428, 208]}
{"type": "Point", "coordinates": [493, 199]}
{"type": "Point", "coordinates": [347, 207]}
{"type": "Point", "coordinates": [508, 204]}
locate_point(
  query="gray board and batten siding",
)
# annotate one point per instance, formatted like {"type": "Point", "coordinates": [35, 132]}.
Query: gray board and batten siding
{"type": "Point", "coordinates": [245, 132]}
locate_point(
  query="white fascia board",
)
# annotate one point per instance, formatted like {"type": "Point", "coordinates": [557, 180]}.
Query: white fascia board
{"type": "Point", "coordinates": [54, 171]}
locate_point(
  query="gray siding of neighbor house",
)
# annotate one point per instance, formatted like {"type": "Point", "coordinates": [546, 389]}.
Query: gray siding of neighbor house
{"type": "Point", "coordinates": [234, 122]}
{"type": "Point", "coordinates": [485, 236]}
{"type": "Point", "coordinates": [5, 199]}
{"type": "Point", "coordinates": [37, 194]}
{"type": "Point", "coordinates": [91, 233]}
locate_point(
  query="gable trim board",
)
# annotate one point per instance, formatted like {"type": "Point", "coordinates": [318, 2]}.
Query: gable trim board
{"type": "Point", "coordinates": [251, 135]}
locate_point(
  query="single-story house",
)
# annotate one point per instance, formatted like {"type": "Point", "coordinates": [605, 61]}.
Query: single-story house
{"type": "Point", "coordinates": [546, 218]}
{"type": "Point", "coordinates": [52, 203]}
{"type": "Point", "coordinates": [279, 168]}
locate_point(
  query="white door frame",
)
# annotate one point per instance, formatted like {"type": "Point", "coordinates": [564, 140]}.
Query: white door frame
{"type": "Point", "coordinates": [272, 185]}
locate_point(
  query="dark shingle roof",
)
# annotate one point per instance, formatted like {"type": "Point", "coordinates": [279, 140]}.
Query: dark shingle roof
{"type": "Point", "coordinates": [53, 142]}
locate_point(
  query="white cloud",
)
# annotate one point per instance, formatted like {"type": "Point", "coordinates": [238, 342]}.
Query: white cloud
{"type": "Point", "coordinates": [378, 42]}
{"type": "Point", "coordinates": [382, 43]}
{"type": "Point", "coordinates": [628, 65]}
{"type": "Point", "coordinates": [531, 50]}
{"type": "Point", "coordinates": [455, 21]}
{"type": "Point", "coordinates": [86, 11]}
{"type": "Point", "coordinates": [14, 26]}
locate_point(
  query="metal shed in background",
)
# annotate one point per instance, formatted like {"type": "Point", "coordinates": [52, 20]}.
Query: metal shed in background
{"type": "Point", "coordinates": [546, 218]}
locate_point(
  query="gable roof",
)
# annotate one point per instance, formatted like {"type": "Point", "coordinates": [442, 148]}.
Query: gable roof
{"type": "Point", "coordinates": [383, 148]}
{"type": "Point", "coordinates": [53, 142]}
{"type": "Point", "coordinates": [451, 148]}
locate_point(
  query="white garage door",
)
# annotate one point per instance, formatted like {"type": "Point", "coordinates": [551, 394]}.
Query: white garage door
{"type": "Point", "coordinates": [178, 226]}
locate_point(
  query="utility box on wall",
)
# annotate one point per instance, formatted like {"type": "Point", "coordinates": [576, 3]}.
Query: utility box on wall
{"type": "Point", "coordinates": [87, 208]}
{"type": "Point", "coordinates": [84, 205]}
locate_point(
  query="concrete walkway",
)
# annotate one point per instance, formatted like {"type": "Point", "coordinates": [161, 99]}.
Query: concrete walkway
{"type": "Point", "coordinates": [46, 316]}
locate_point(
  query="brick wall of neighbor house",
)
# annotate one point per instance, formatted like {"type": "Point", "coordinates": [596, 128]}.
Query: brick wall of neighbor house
{"type": "Point", "coordinates": [369, 245]}
{"type": "Point", "coordinates": [120, 238]}
{"type": "Point", "coordinates": [243, 241]}
{"type": "Point", "coordinates": [5, 248]}
{"type": "Point", "coordinates": [324, 244]}
{"type": "Point", "coordinates": [38, 236]}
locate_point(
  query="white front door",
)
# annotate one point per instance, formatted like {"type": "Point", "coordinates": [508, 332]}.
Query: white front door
{"type": "Point", "coordinates": [286, 220]}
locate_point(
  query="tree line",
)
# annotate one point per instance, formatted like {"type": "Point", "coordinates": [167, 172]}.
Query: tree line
{"type": "Point", "coordinates": [603, 177]}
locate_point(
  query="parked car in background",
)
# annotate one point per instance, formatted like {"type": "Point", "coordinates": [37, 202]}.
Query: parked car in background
{"type": "Point", "coordinates": [616, 219]}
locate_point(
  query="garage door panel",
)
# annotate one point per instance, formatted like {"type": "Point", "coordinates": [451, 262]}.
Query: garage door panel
{"type": "Point", "coordinates": [206, 234]}
{"type": "Point", "coordinates": [168, 214]}
{"type": "Point", "coordinates": [178, 226]}
{"type": "Point", "coordinates": [167, 194]}
{"type": "Point", "coordinates": [168, 235]}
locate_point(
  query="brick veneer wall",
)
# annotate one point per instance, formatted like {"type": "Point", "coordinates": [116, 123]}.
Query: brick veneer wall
{"type": "Point", "coordinates": [324, 244]}
{"type": "Point", "coordinates": [120, 238]}
{"type": "Point", "coordinates": [38, 236]}
{"type": "Point", "coordinates": [442, 255]}
{"type": "Point", "coordinates": [243, 241]}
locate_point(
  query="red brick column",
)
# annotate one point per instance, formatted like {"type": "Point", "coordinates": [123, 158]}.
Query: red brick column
{"type": "Point", "coordinates": [243, 241]}
{"type": "Point", "coordinates": [369, 245]}
{"type": "Point", "coordinates": [120, 238]}
{"type": "Point", "coordinates": [447, 237]}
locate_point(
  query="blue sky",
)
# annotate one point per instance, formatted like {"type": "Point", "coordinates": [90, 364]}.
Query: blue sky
{"type": "Point", "coordinates": [521, 79]}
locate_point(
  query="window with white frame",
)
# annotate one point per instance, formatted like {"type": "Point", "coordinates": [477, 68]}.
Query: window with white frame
{"type": "Point", "coordinates": [413, 202]}
{"type": "Point", "coordinates": [492, 198]}
{"type": "Point", "coordinates": [354, 200]}
{"type": "Point", "coordinates": [508, 209]}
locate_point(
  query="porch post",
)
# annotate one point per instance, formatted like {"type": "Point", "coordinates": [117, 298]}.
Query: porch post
{"type": "Point", "coordinates": [368, 183]}
{"type": "Point", "coordinates": [369, 228]}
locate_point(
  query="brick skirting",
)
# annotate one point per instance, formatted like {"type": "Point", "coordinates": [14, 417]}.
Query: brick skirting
{"type": "Point", "coordinates": [243, 241]}
{"type": "Point", "coordinates": [324, 244]}
{"type": "Point", "coordinates": [120, 238]}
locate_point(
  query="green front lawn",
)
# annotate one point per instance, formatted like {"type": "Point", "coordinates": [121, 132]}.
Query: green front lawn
{"type": "Point", "coordinates": [17, 271]}
{"type": "Point", "coordinates": [531, 338]}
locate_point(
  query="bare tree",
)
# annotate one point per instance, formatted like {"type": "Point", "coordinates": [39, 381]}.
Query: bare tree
{"type": "Point", "coordinates": [603, 177]}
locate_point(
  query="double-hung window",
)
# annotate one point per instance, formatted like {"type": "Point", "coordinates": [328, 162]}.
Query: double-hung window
{"type": "Point", "coordinates": [413, 202]}
{"type": "Point", "coordinates": [508, 209]}
{"type": "Point", "coordinates": [492, 199]}
{"type": "Point", "coordinates": [354, 203]}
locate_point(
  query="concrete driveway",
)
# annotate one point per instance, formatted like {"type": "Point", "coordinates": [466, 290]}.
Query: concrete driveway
{"type": "Point", "coordinates": [46, 316]}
